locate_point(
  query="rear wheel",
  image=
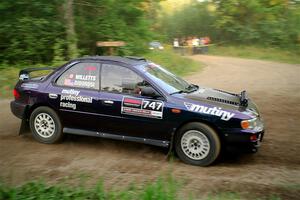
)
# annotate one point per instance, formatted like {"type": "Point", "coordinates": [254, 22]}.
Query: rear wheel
{"type": "Point", "coordinates": [197, 144]}
{"type": "Point", "coordinates": [45, 125]}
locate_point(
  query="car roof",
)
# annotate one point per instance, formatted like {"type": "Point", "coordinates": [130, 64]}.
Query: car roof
{"type": "Point", "coordinates": [130, 60]}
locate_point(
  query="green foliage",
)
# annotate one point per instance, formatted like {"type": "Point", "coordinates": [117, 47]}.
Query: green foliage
{"type": "Point", "coordinates": [9, 75]}
{"type": "Point", "coordinates": [166, 188]}
{"type": "Point", "coordinates": [8, 79]}
{"type": "Point", "coordinates": [28, 29]}
{"type": "Point", "coordinates": [38, 31]}
{"type": "Point", "coordinates": [162, 189]}
{"type": "Point", "coordinates": [104, 21]}
{"type": "Point", "coordinates": [258, 22]}
{"type": "Point", "coordinates": [191, 20]}
{"type": "Point", "coordinates": [58, 52]}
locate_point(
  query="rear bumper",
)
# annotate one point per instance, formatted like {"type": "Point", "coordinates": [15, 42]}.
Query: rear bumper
{"type": "Point", "coordinates": [18, 109]}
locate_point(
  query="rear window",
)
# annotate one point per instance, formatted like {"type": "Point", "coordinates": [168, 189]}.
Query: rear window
{"type": "Point", "coordinates": [81, 75]}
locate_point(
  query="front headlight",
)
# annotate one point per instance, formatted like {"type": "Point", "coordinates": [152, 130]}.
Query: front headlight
{"type": "Point", "coordinates": [253, 124]}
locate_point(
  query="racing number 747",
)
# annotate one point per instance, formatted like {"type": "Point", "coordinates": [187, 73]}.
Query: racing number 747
{"type": "Point", "coordinates": [152, 105]}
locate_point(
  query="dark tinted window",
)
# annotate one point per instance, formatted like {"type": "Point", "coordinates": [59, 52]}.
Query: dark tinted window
{"type": "Point", "coordinates": [120, 79]}
{"type": "Point", "coordinates": [81, 75]}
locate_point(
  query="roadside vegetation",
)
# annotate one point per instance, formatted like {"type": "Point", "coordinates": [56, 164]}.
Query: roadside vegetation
{"type": "Point", "coordinates": [256, 52]}
{"type": "Point", "coordinates": [174, 62]}
{"type": "Point", "coordinates": [9, 76]}
{"type": "Point", "coordinates": [267, 23]}
{"type": "Point", "coordinates": [161, 189]}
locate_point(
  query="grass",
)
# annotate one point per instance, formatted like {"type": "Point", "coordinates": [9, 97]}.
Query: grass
{"type": "Point", "coordinates": [162, 189]}
{"type": "Point", "coordinates": [255, 52]}
{"type": "Point", "coordinates": [175, 63]}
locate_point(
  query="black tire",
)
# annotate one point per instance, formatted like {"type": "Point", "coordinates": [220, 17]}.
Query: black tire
{"type": "Point", "coordinates": [51, 120]}
{"type": "Point", "coordinates": [208, 142]}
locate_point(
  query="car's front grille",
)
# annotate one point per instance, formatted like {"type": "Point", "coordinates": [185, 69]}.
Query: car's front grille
{"type": "Point", "coordinates": [223, 101]}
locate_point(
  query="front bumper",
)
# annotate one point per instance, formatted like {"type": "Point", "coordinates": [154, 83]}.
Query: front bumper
{"type": "Point", "coordinates": [244, 139]}
{"type": "Point", "coordinates": [18, 109]}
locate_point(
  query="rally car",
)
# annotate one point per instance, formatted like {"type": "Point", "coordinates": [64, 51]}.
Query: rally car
{"type": "Point", "coordinates": [133, 99]}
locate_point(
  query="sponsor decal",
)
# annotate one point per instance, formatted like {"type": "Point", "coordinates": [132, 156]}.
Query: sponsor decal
{"type": "Point", "coordinates": [90, 68]}
{"type": "Point", "coordinates": [86, 77]}
{"type": "Point", "coordinates": [142, 107]}
{"type": "Point", "coordinates": [71, 91]}
{"type": "Point", "coordinates": [30, 85]}
{"type": "Point", "coordinates": [86, 81]}
{"type": "Point", "coordinates": [68, 105]}
{"type": "Point", "coordinates": [85, 84]}
{"type": "Point", "coordinates": [225, 115]}
{"type": "Point", "coordinates": [68, 98]}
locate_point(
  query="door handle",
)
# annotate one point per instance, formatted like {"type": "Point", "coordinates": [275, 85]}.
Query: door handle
{"type": "Point", "coordinates": [108, 102]}
{"type": "Point", "coordinates": [53, 96]}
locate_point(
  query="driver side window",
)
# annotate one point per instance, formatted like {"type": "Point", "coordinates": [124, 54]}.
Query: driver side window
{"type": "Point", "coordinates": [120, 79]}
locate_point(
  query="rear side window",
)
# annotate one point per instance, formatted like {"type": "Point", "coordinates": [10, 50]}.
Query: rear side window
{"type": "Point", "coordinates": [81, 75]}
{"type": "Point", "coordinates": [120, 79]}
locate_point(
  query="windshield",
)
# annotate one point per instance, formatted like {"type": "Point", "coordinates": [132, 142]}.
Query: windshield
{"type": "Point", "coordinates": [165, 79]}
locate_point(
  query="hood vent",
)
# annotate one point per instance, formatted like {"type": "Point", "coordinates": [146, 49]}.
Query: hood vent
{"type": "Point", "coordinates": [222, 91]}
{"type": "Point", "coordinates": [223, 101]}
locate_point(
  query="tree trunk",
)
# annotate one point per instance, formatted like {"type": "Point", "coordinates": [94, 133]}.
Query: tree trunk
{"type": "Point", "coordinates": [70, 26]}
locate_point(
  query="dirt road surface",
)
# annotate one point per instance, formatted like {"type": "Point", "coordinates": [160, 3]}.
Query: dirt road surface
{"type": "Point", "coordinates": [274, 170]}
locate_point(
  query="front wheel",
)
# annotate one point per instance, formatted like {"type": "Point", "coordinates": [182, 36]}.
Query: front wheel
{"type": "Point", "coordinates": [45, 125]}
{"type": "Point", "coordinates": [197, 144]}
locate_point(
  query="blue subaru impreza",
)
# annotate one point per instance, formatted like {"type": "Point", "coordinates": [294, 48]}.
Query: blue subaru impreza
{"type": "Point", "coordinates": [133, 99]}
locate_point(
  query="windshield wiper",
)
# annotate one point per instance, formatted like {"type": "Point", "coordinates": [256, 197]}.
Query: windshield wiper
{"type": "Point", "coordinates": [189, 89]}
{"type": "Point", "coordinates": [179, 92]}
{"type": "Point", "coordinates": [192, 88]}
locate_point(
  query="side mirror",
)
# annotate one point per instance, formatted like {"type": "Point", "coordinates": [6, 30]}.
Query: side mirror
{"type": "Point", "coordinates": [149, 92]}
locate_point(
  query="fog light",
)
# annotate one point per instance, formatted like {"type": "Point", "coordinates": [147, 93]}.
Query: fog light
{"type": "Point", "coordinates": [253, 137]}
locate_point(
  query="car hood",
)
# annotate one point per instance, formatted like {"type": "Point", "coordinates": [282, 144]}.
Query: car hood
{"type": "Point", "coordinates": [215, 97]}
{"type": "Point", "coordinates": [218, 100]}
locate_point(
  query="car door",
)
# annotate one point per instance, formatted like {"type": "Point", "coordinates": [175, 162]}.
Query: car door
{"type": "Point", "coordinates": [127, 112]}
{"type": "Point", "coordinates": [75, 95]}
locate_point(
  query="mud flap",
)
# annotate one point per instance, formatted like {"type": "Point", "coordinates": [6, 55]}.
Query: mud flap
{"type": "Point", "coordinates": [24, 126]}
{"type": "Point", "coordinates": [170, 151]}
